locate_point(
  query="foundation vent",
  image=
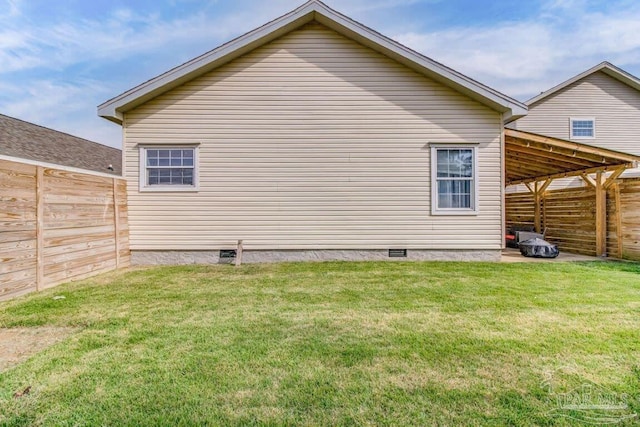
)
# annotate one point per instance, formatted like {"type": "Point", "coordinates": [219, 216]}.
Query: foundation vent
{"type": "Point", "coordinates": [227, 253]}
{"type": "Point", "coordinates": [397, 253]}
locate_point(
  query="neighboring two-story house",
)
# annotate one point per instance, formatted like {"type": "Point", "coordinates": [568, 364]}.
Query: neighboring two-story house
{"type": "Point", "coordinates": [599, 107]}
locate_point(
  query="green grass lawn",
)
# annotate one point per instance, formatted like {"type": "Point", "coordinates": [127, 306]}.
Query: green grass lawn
{"type": "Point", "coordinates": [330, 344]}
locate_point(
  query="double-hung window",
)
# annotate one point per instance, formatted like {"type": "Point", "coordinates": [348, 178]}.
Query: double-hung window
{"type": "Point", "coordinates": [170, 168]}
{"type": "Point", "coordinates": [582, 128]}
{"type": "Point", "coordinates": [454, 180]}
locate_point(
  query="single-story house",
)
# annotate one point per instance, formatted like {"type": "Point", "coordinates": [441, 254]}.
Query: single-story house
{"type": "Point", "coordinates": [315, 137]}
{"type": "Point", "coordinates": [24, 140]}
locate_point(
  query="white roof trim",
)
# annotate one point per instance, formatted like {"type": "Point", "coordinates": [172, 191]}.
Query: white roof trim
{"type": "Point", "coordinates": [312, 10]}
{"type": "Point", "coordinates": [606, 67]}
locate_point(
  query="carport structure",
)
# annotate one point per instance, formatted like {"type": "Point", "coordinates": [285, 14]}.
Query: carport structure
{"type": "Point", "coordinates": [537, 160]}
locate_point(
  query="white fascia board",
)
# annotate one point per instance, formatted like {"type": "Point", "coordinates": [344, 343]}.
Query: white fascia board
{"type": "Point", "coordinates": [314, 9]}
{"type": "Point", "coordinates": [621, 75]}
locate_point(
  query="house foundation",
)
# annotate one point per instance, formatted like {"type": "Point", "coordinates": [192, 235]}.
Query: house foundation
{"type": "Point", "coordinates": [269, 256]}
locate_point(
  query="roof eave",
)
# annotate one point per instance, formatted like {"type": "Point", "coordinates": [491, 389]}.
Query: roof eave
{"type": "Point", "coordinates": [606, 67]}
{"type": "Point", "coordinates": [114, 109]}
{"type": "Point", "coordinates": [514, 114]}
{"type": "Point", "coordinates": [426, 66]}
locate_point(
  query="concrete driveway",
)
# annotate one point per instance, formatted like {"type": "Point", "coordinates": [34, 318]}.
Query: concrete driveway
{"type": "Point", "coordinates": [513, 255]}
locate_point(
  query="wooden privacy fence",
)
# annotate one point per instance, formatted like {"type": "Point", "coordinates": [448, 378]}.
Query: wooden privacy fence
{"type": "Point", "coordinates": [58, 224]}
{"type": "Point", "coordinates": [569, 217]}
{"type": "Point", "coordinates": [624, 224]}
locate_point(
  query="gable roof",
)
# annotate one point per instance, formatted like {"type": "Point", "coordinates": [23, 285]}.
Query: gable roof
{"type": "Point", "coordinates": [313, 10]}
{"type": "Point", "coordinates": [30, 141]}
{"type": "Point", "coordinates": [606, 67]}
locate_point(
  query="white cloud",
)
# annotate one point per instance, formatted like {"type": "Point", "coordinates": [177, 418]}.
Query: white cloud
{"type": "Point", "coordinates": [125, 34]}
{"type": "Point", "coordinates": [10, 8]}
{"type": "Point", "coordinates": [122, 35]}
{"type": "Point", "coordinates": [518, 57]}
{"type": "Point", "coordinates": [64, 107]}
{"type": "Point", "coordinates": [358, 6]}
{"type": "Point", "coordinates": [522, 58]}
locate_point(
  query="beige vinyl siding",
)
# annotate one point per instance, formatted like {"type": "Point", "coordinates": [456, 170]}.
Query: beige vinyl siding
{"type": "Point", "coordinates": [312, 142]}
{"type": "Point", "coordinates": [614, 105]}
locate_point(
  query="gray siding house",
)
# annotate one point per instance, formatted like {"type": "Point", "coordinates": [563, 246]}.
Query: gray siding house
{"type": "Point", "coordinates": [313, 137]}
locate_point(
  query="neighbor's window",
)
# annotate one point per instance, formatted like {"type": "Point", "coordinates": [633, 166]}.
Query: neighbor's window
{"type": "Point", "coordinates": [583, 128]}
{"type": "Point", "coordinates": [454, 180]}
{"type": "Point", "coordinates": [168, 168]}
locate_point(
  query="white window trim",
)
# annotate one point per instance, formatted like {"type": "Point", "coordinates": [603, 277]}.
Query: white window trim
{"type": "Point", "coordinates": [573, 119]}
{"type": "Point", "coordinates": [434, 180]}
{"type": "Point", "coordinates": [142, 154]}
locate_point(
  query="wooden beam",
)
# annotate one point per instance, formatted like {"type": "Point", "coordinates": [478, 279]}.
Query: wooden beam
{"type": "Point", "coordinates": [520, 168]}
{"type": "Point", "coordinates": [538, 196]}
{"type": "Point", "coordinates": [570, 173]}
{"type": "Point", "coordinates": [612, 178]}
{"type": "Point", "coordinates": [545, 185]}
{"type": "Point", "coordinates": [531, 190]}
{"type": "Point", "coordinates": [526, 168]}
{"type": "Point", "coordinates": [39, 227]}
{"type": "Point", "coordinates": [530, 152]}
{"type": "Point", "coordinates": [573, 146]}
{"type": "Point", "coordinates": [568, 153]}
{"type": "Point", "coordinates": [536, 208]}
{"type": "Point", "coordinates": [545, 223]}
{"type": "Point", "coordinates": [588, 180]}
{"type": "Point", "coordinates": [601, 216]}
{"type": "Point", "coordinates": [619, 234]}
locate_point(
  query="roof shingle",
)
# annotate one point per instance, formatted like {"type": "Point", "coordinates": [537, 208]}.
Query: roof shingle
{"type": "Point", "coordinates": [30, 141]}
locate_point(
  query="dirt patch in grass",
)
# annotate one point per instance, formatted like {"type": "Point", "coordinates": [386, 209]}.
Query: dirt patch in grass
{"type": "Point", "coordinates": [18, 344]}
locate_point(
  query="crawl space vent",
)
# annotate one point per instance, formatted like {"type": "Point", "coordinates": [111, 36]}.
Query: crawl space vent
{"type": "Point", "coordinates": [227, 253]}
{"type": "Point", "coordinates": [397, 253]}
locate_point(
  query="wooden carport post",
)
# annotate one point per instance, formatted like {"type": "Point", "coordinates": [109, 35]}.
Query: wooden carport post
{"type": "Point", "coordinates": [601, 185]}
{"type": "Point", "coordinates": [538, 191]}
{"type": "Point", "coordinates": [601, 216]}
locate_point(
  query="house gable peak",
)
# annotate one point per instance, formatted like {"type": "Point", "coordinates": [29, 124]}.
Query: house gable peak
{"type": "Point", "coordinates": [313, 10]}
{"type": "Point", "coordinates": [605, 67]}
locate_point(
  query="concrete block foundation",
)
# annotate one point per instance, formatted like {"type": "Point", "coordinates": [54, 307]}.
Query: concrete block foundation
{"type": "Point", "coordinates": [267, 256]}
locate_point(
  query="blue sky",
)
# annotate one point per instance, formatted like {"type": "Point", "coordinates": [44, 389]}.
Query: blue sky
{"type": "Point", "coordinates": [59, 60]}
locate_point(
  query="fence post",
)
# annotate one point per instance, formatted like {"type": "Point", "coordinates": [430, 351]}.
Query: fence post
{"type": "Point", "coordinates": [619, 234]}
{"type": "Point", "coordinates": [39, 228]}
{"type": "Point", "coordinates": [116, 221]}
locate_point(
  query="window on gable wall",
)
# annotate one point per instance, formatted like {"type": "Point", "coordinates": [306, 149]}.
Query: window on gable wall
{"type": "Point", "coordinates": [168, 168]}
{"type": "Point", "coordinates": [582, 128]}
